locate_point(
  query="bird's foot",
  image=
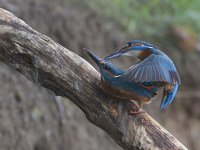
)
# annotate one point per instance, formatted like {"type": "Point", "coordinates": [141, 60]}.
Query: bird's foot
{"type": "Point", "coordinates": [137, 112]}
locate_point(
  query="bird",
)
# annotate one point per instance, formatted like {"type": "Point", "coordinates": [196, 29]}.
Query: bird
{"type": "Point", "coordinates": [142, 80]}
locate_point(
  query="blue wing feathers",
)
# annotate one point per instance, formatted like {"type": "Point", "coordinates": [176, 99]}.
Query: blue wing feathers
{"type": "Point", "coordinates": [162, 68]}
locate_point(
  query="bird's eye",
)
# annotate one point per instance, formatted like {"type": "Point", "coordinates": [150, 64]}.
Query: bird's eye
{"type": "Point", "coordinates": [106, 67]}
{"type": "Point", "coordinates": [126, 45]}
{"type": "Point", "coordinates": [129, 44]}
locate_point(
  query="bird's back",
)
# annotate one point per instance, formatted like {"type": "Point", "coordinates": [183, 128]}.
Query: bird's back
{"type": "Point", "coordinates": [129, 90]}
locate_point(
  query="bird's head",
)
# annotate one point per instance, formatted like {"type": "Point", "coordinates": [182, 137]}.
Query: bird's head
{"type": "Point", "coordinates": [135, 48]}
{"type": "Point", "coordinates": [104, 65]}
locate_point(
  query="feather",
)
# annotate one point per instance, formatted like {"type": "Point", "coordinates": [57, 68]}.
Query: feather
{"type": "Point", "coordinates": [168, 96]}
{"type": "Point", "coordinates": [162, 68]}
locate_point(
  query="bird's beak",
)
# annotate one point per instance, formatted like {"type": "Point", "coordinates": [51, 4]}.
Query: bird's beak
{"type": "Point", "coordinates": [94, 57]}
{"type": "Point", "coordinates": [118, 53]}
{"type": "Point", "coordinates": [127, 51]}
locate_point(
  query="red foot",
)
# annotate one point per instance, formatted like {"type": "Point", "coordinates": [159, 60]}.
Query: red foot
{"type": "Point", "coordinates": [132, 112]}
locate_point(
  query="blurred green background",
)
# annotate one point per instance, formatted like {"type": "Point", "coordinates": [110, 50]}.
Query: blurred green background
{"type": "Point", "coordinates": [30, 118]}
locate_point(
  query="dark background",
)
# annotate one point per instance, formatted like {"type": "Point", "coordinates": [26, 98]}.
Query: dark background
{"type": "Point", "coordinates": [29, 116]}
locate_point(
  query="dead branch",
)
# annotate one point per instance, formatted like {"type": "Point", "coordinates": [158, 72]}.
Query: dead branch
{"type": "Point", "coordinates": [47, 63]}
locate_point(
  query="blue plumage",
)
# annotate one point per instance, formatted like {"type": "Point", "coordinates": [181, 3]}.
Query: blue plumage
{"type": "Point", "coordinates": [169, 97]}
{"type": "Point", "coordinates": [142, 80]}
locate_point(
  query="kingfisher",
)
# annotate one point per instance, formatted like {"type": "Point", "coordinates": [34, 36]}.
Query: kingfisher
{"type": "Point", "coordinates": [143, 79]}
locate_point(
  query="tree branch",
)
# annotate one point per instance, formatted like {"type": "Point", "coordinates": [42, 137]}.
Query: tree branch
{"type": "Point", "coordinates": [47, 63]}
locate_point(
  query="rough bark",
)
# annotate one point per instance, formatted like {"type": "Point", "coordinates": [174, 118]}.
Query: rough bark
{"type": "Point", "coordinates": [47, 63]}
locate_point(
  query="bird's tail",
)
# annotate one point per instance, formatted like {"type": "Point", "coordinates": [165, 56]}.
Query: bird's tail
{"type": "Point", "coordinates": [168, 97]}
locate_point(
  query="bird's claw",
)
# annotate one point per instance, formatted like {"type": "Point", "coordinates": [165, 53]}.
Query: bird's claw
{"type": "Point", "coordinates": [133, 112]}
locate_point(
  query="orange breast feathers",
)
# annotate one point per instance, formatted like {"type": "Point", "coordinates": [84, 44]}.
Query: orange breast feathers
{"type": "Point", "coordinates": [144, 54]}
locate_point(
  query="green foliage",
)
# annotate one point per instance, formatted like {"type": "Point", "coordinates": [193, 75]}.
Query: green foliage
{"type": "Point", "coordinates": [150, 17]}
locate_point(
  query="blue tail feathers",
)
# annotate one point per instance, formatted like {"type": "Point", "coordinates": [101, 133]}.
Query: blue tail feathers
{"type": "Point", "coordinates": [169, 97]}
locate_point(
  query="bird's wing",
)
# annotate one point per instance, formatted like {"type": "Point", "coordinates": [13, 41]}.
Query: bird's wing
{"type": "Point", "coordinates": [154, 68]}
